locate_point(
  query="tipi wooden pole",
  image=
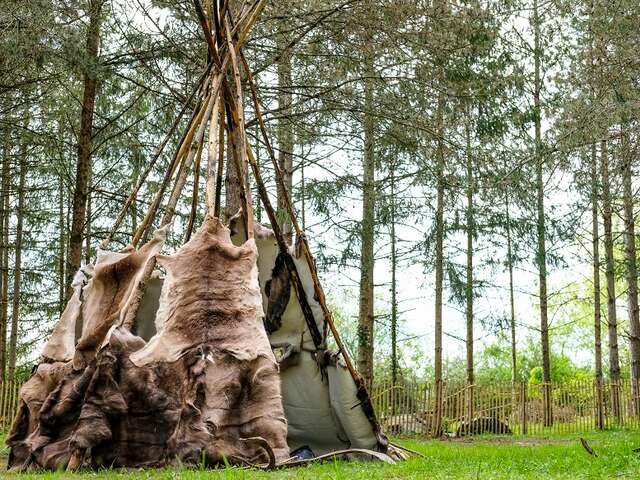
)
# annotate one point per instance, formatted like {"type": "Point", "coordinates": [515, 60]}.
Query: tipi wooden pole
{"type": "Point", "coordinates": [143, 177]}
{"type": "Point", "coordinates": [196, 141]}
{"type": "Point", "coordinates": [316, 336]}
{"type": "Point", "coordinates": [194, 197]}
{"type": "Point", "coordinates": [212, 156]}
{"type": "Point", "coordinates": [237, 133]}
{"type": "Point", "coordinates": [319, 293]}
{"type": "Point", "coordinates": [216, 205]}
{"type": "Point", "coordinates": [175, 161]}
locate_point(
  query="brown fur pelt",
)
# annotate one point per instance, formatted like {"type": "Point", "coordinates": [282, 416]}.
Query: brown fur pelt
{"type": "Point", "coordinates": [205, 388]}
{"type": "Point", "coordinates": [278, 292]}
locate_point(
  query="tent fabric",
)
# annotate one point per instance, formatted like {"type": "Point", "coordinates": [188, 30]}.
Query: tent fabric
{"type": "Point", "coordinates": [320, 401]}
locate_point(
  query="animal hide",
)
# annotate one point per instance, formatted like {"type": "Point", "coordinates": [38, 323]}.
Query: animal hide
{"type": "Point", "coordinates": [109, 292]}
{"type": "Point", "coordinates": [278, 292]}
{"type": "Point", "coordinates": [205, 388]}
{"type": "Point", "coordinates": [61, 345]}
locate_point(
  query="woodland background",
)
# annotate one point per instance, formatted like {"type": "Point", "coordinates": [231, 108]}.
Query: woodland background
{"type": "Point", "coordinates": [465, 170]}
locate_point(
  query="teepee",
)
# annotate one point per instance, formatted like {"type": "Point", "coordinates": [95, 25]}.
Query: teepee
{"type": "Point", "coordinates": [216, 353]}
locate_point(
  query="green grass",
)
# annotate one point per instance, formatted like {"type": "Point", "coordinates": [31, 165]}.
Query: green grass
{"type": "Point", "coordinates": [557, 456]}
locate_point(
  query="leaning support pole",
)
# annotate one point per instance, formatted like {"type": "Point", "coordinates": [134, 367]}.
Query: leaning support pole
{"type": "Point", "coordinates": [196, 127]}
{"type": "Point", "coordinates": [316, 336]}
{"type": "Point", "coordinates": [195, 194]}
{"type": "Point", "coordinates": [143, 177]}
{"type": "Point", "coordinates": [195, 145]}
{"type": "Point", "coordinates": [216, 205]}
{"type": "Point", "coordinates": [173, 165]}
{"type": "Point", "coordinates": [237, 134]}
{"type": "Point", "coordinates": [212, 157]}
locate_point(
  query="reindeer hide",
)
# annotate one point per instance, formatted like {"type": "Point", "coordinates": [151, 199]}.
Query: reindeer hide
{"type": "Point", "coordinates": [205, 387]}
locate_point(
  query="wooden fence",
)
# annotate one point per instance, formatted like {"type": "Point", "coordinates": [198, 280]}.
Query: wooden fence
{"type": "Point", "coordinates": [410, 408]}
{"type": "Point", "coordinates": [8, 403]}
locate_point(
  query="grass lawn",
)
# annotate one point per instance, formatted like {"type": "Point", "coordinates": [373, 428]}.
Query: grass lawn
{"type": "Point", "coordinates": [481, 458]}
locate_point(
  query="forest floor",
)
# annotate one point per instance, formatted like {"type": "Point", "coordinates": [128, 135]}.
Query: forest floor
{"type": "Point", "coordinates": [491, 457]}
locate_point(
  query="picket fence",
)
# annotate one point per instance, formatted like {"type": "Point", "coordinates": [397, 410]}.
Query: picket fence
{"type": "Point", "coordinates": [8, 403]}
{"type": "Point", "coordinates": [412, 409]}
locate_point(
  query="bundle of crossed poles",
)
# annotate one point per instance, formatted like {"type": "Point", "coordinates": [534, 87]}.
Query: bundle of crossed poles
{"type": "Point", "coordinates": [219, 110]}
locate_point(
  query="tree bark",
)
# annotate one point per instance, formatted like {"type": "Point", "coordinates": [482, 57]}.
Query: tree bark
{"type": "Point", "coordinates": [87, 251]}
{"type": "Point", "coordinates": [84, 142]}
{"type": "Point", "coordinates": [394, 286]}
{"type": "Point", "coordinates": [366, 311]}
{"type": "Point", "coordinates": [612, 321]}
{"type": "Point", "coordinates": [512, 323]}
{"type": "Point", "coordinates": [4, 257]}
{"type": "Point", "coordinates": [541, 250]}
{"type": "Point", "coordinates": [135, 175]}
{"type": "Point", "coordinates": [436, 430]}
{"type": "Point", "coordinates": [285, 134]}
{"type": "Point", "coordinates": [470, 232]}
{"type": "Point", "coordinates": [439, 261]}
{"type": "Point", "coordinates": [597, 316]}
{"type": "Point", "coordinates": [631, 268]}
{"type": "Point", "coordinates": [17, 269]}
{"type": "Point", "coordinates": [62, 248]}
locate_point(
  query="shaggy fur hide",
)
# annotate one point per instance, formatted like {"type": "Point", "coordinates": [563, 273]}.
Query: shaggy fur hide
{"type": "Point", "coordinates": [205, 388]}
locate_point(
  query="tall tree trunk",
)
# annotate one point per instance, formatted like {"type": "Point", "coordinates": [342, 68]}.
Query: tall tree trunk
{"type": "Point", "coordinates": [366, 315]}
{"type": "Point", "coordinates": [87, 252]}
{"type": "Point", "coordinates": [542, 249]}
{"type": "Point", "coordinates": [4, 257]}
{"type": "Point", "coordinates": [512, 323]}
{"type": "Point", "coordinates": [84, 142]}
{"type": "Point", "coordinates": [612, 321]}
{"type": "Point", "coordinates": [394, 286]}
{"type": "Point", "coordinates": [597, 318]}
{"type": "Point", "coordinates": [285, 133]}
{"type": "Point", "coordinates": [17, 269]}
{"type": "Point", "coordinates": [303, 193]}
{"type": "Point", "coordinates": [631, 267]}
{"type": "Point", "coordinates": [135, 175]}
{"type": "Point", "coordinates": [470, 232]}
{"type": "Point", "coordinates": [62, 248]}
{"type": "Point", "coordinates": [439, 264]}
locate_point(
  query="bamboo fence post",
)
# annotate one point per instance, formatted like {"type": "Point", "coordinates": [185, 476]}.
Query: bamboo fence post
{"type": "Point", "coordinates": [423, 397]}
{"type": "Point", "coordinates": [437, 411]}
{"type": "Point", "coordinates": [4, 404]}
{"type": "Point", "coordinates": [615, 401]}
{"type": "Point", "coordinates": [523, 407]}
{"type": "Point", "coordinates": [600, 404]}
